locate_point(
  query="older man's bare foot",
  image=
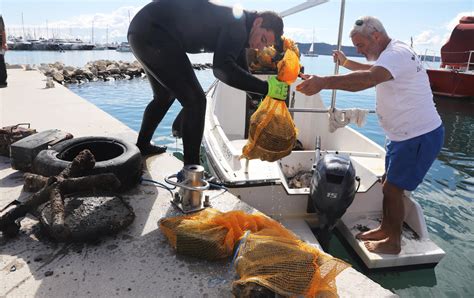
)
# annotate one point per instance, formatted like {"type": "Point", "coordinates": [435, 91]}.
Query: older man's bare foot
{"type": "Point", "coordinates": [375, 234]}
{"type": "Point", "coordinates": [383, 247]}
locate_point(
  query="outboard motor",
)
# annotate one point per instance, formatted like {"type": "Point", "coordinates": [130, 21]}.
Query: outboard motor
{"type": "Point", "coordinates": [332, 191]}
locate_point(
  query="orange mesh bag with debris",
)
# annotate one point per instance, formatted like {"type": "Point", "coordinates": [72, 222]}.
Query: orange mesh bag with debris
{"type": "Point", "coordinates": [264, 60]}
{"type": "Point", "coordinates": [270, 256]}
{"type": "Point", "coordinates": [289, 44]}
{"type": "Point", "coordinates": [272, 132]}
{"type": "Point", "coordinates": [286, 266]}
{"type": "Point", "coordinates": [210, 234]}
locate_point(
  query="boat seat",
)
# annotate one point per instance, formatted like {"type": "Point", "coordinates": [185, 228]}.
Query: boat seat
{"type": "Point", "coordinates": [368, 177]}
{"type": "Point", "coordinates": [239, 144]}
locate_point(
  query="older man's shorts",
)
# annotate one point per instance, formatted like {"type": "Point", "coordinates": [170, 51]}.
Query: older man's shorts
{"type": "Point", "coordinates": [407, 162]}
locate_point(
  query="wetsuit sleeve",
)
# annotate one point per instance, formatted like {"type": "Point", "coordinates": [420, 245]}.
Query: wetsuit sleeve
{"type": "Point", "coordinates": [228, 59]}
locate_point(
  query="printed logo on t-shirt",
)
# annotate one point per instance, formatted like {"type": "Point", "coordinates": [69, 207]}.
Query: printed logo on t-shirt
{"type": "Point", "coordinates": [419, 66]}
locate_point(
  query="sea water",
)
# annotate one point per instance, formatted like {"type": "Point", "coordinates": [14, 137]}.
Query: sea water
{"type": "Point", "coordinates": [446, 195]}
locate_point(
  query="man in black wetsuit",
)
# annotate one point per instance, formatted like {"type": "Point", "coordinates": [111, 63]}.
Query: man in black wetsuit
{"type": "Point", "coordinates": [163, 32]}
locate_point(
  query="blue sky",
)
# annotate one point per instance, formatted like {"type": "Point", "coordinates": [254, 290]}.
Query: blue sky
{"type": "Point", "coordinates": [428, 22]}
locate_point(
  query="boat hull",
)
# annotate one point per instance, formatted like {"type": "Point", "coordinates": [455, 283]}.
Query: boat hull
{"type": "Point", "coordinates": [451, 83]}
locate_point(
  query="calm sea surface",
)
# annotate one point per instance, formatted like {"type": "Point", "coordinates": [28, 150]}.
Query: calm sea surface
{"type": "Point", "coordinates": [446, 195]}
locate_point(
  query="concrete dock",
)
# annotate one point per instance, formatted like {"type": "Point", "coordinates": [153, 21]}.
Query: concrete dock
{"type": "Point", "coordinates": [138, 261]}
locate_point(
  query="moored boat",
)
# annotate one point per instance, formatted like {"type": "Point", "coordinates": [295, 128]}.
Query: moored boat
{"type": "Point", "coordinates": [455, 76]}
{"type": "Point", "coordinates": [124, 47]}
{"type": "Point", "coordinates": [311, 52]}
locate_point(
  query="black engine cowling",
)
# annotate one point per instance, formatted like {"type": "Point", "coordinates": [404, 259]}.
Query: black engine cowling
{"type": "Point", "coordinates": [332, 190]}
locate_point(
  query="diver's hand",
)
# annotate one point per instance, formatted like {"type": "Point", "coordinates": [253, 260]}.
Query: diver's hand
{"type": "Point", "coordinates": [311, 85]}
{"type": "Point", "coordinates": [339, 56]}
{"type": "Point", "coordinates": [277, 89]}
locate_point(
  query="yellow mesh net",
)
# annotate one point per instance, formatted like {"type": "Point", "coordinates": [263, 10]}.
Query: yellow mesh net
{"type": "Point", "coordinates": [287, 266]}
{"type": "Point", "coordinates": [272, 132]}
{"type": "Point", "coordinates": [270, 256]}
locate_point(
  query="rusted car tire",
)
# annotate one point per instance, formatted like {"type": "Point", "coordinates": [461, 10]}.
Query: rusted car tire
{"type": "Point", "coordinates": [112, 156]}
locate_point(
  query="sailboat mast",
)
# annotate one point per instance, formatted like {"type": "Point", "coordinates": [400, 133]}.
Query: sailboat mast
{"type": "Point", "coordinates": [92, 34]}
{"type": "Point", "coordinates": [23, 26]}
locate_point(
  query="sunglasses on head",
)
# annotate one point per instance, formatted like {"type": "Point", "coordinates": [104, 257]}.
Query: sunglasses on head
{"type": "Point", "coordinates": [359, 22]}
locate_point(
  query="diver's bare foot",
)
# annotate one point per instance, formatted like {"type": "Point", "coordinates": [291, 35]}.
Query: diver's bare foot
{"type": "Point", "coordinates": [375, 234]}
{"type": "Point", "coordinates": [383, 246]}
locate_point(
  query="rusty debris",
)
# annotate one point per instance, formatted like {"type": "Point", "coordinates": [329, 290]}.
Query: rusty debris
{"type": "Point", "coordinates": [53, 189]}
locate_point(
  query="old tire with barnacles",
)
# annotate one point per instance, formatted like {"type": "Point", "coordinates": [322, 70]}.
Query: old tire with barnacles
{"type": "Point", "coordinates": [111, 155]}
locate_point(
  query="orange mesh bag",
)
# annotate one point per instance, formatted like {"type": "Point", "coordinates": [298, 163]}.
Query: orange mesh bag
{"type": "Point", "coordinates": [288, 67]}
{"type": "Point", "coordinates": [270, 257]}
{"type": "Point", "coordinates": [272, 132]}
{"type": "Point", "coordinates": [289, 44]}
{"type": "Point", "coordinates": [193, 236]}
{"type": "Point", "coordinates": [286, 266]}
{"type": "Point", "coordinates": [264, 60]}
{"type": "Point", "coordinates": [210, 234]}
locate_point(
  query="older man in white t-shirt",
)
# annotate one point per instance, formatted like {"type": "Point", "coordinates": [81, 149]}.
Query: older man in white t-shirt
{"type": "Point", "coordinates": [406, 112]}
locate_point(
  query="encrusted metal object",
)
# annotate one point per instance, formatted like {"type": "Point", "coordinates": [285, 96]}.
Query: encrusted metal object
{"type": "Point", "coordinates": [189, 196]}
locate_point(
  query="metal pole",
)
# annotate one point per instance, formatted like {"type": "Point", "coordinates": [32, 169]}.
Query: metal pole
{"type": "Point", "coordinates": [92, 30]}
{"type": "Point", "coordinates": [301, 7]}
{"type": "Point", "coordinates": [311, 110]}
{"type": "Point", "coordinates": [339, 40]}
{"type": "Point", "coordinates": [23, 26]}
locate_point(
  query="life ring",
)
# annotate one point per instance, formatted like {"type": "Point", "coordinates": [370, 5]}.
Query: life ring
{"type": "Point", "coordinates": [112, 156]}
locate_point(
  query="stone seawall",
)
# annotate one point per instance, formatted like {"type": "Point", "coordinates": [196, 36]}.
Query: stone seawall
{"type": "Point", "coordinates": [100, 70]}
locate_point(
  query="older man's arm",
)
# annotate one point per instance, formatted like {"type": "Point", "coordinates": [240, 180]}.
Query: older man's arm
{"type": "Point", "coordinates": [340, 57]}
{"type": "Point", "coordinates": [354, 81]}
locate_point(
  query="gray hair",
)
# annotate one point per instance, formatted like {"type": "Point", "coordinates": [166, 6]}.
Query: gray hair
{"type": "Point", "coordinates": [367, 25]}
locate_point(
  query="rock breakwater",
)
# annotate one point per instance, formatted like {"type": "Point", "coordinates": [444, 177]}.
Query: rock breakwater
{"type": "Point", "coordinates": [100, 70]}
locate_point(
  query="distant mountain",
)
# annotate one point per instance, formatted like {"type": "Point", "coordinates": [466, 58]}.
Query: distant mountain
{"type": "Point", "coordinates": [322, 48]}
{"type": "Point", "coordinates": [326, 49]}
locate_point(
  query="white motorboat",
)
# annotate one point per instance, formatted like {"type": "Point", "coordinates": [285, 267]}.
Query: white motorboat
{"type": "Point", "coordinates": [124, 47]}
{"type": "Point", "coordinates": [266, 186]}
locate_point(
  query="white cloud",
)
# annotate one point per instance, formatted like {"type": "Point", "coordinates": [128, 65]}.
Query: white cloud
{"type": "Point", "coordinates": [80, 26]}
{"type": "Point", "coordinates": [426, 40]}
{"type": "Point", "coordinates": [434, 40]}
{"type": "Point", "coordinates": [116, 19]}
{"type": "Point", "coordinates": [302, 34]}
{"type": "Point", "coordinates": [451, 24]}
{"type": "Point", "coordinates": [427, 37]}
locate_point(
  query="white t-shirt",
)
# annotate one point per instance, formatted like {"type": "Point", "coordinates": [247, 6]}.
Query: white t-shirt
{"type": "Point", "coordinates": [405, 106]}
